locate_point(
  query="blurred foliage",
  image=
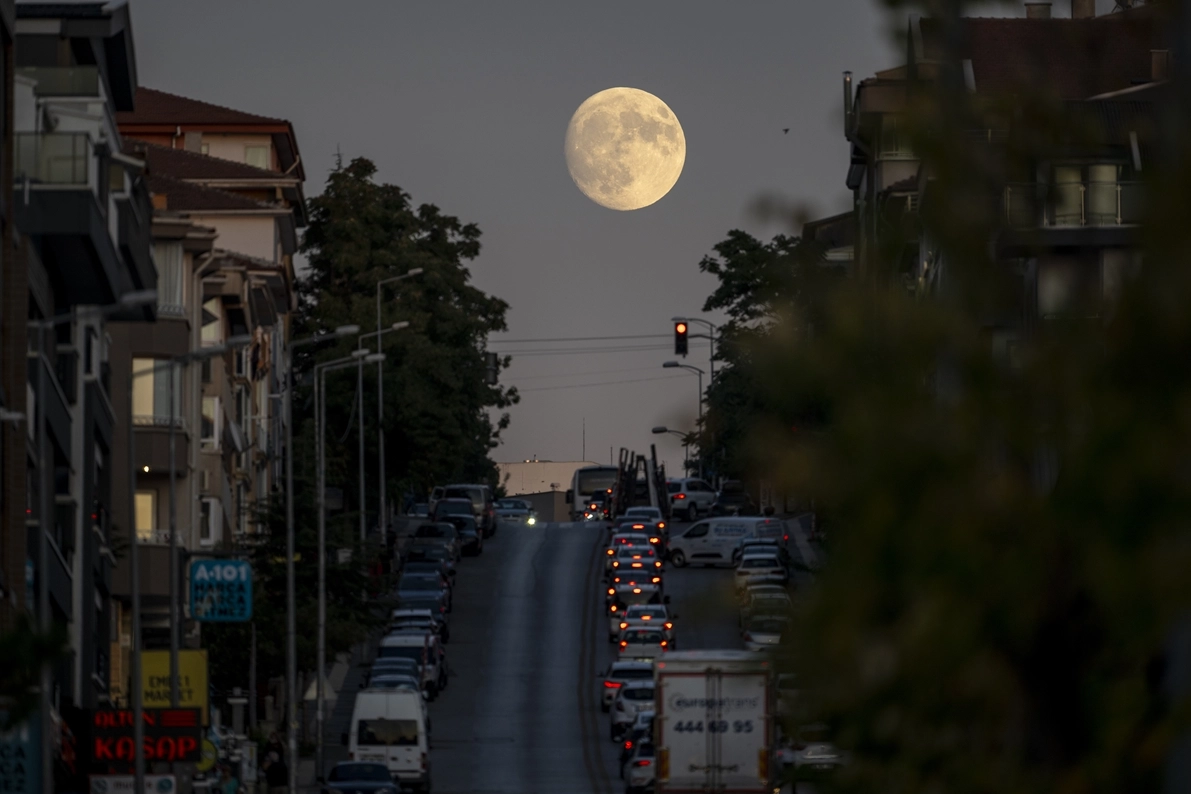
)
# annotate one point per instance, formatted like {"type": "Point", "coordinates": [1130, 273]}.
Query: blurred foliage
{"type": "Point", "coordinates": [1010, 563]}
{"type": "Point", "coordinates": [23, 651]}
{"type": "Point", "coordinates": [437, 402]}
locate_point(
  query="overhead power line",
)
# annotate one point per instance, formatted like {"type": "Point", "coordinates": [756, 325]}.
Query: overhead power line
{"type": "Point", "coordinates": [599, 383]}
{"type": "Point", "coordinates": [576, 339]}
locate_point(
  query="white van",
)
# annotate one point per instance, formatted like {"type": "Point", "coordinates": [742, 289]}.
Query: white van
{"type": "Point", "coordinates": [716, 541]}
{"type": "Point", "coordinates": [389, 727]}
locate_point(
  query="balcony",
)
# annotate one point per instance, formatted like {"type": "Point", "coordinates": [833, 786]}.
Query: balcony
{"type": "Point", "coordinates": [63, 81]}
{"type": "Point", "coordinates": [1066, 205]}
{"type": "Point", "coordinates": [52, 158]}
{"type": "Point", "coordinates": [57, 203]}
{"type": "Point", "coordinates": [153, 445]}
{"type": "Point", "coordinates": [154, 537]}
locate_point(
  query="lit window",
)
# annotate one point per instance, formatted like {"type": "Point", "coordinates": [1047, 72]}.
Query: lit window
{"type": "Point", "coordinates": [146, 514]}
{"type": "Point", "coordinates": [210, 423]}
{"type": "Point", "coordinates": [257, 156]}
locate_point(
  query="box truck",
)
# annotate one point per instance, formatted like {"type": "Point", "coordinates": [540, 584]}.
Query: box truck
{"type": "Point", "coordinates": [714, 722]}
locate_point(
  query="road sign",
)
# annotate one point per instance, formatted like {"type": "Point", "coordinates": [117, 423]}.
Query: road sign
{"type": "Point", "coordinates": [20, 757]}
{"type": "Point", "coordinates": [221, 590]}
{"type": "Point", "coordinates": [192, 680]}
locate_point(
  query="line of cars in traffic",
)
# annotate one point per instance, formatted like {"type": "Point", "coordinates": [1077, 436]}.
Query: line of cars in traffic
{"type": "Point", "coordinates": [390, 731]}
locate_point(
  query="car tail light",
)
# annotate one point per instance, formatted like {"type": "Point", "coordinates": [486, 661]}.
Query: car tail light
{"type": "Point", "coordinates": [657, 564]}
{"type": "Point", "coordinates": [611, 552]}
{"type": "Point", "coordinates": [655, 540]}
{"type": "Point", "coordinates": [669, 625]}
{"type": "Point", "coordinates": [628, 744]}
{"type": "Point", "coordinates": [624, 644]}
{"type": "Point", "coordinates": [611, 591]}
{"type": "Point", "coordinates": [661, 525]}
{"type": "Point", "coordinates": [647, 617]}
{"type": "Point", "coordinates": [612, 684]}
{"type": "Point", "coordinates": [612, 608]}
{"type": "Point", "coordinates": [657, 580]}
{"type": "Point", "coordinates": [680, 496]}
{"type": "Point", "coordinates": [643, 762]}
{"type": "Point", "coordinates": [624, 625]}
{"type": "Point", "coordinates": [785, 537]}
{"type": "Point", "coordinates": [663, 643]}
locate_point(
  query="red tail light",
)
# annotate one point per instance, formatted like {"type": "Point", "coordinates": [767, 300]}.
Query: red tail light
{"type": "Point", "coordinates": [785, 537]}
{"type": "Point", "coordinates": [655, 540]}
{"type": "Point", "coordinates": [663, 643]}
{"type": "Point", "coordinates": [669, 625]}
{"type": "Point", "coordinates": [661, 525]}
{"type": "Point", "coordinates": [612, 608]}
{"type": "Point", "coordinates": [657, 579]}
{"type": "Point", "coordinates": [624, 625]}
{"type": "Point", "coordinates": [612, 684]}
{"type": "Point", "coordinates": [624, 644]}
{"type": "Point", "coordinates": [642, 762]}
{"type": "Point", "coordinates": [628, 745]}
{"type": "Point", "coordinates": [680, 496]}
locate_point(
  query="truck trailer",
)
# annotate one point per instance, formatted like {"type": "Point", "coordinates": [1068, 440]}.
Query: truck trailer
{"type": "Point", "coordinates": [713, 722]}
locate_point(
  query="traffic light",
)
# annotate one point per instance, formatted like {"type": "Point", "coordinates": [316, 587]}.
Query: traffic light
{"type": "Point", "coordinates": [680, 340]}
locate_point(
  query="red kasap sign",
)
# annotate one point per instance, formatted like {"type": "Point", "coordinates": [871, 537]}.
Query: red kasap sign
{"type": "Point", "coordinates": [169, 735]}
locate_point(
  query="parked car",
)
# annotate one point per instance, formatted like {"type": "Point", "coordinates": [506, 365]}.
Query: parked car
{"type": "Point", "coordinates": [420, 510]}
{"type": "Point", "coordinates": [690, 497]}
{"type": "Point", "coordinates": [639, 772]}
{"type": "Point", "coordinates": [389, 727]}
{"type": "Point", "coordinates": [483, 508]}
{"type": "Point", "coordinates": [421, 584]}
{"type": "Point", "coordinates": [360, 777]}
{"type": "Point", "coordinates": [471, 539]}
{"type": "Point", "coordinates": [516, 511]}
{"type": "Point", "coordinates": [734, 500]}
{"type": "Point", "coordinates": [440, 533]}
{"type": "Point", "coordinates": [436, 552]}
{"type": "Point", "coordinates": [640, 731]}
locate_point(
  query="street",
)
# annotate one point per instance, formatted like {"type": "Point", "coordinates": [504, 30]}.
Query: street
{"type": "Point", "coordinates": [528, 640]}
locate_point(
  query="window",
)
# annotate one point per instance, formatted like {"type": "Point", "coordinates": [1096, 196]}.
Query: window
{"type": "Point", "coordinates": [894, 138]}
{"type": "Point", "coordinates": [211, 423]}
{"type": "Point", "coordinates": [257, 156]}
{"type": "Point", "coordinates": [151, 391]}
{"type": "Point", "coordinates": [210, 516]}
{"type": "Point", "coordinates": [171, 277]}
{"type": "Point", "coordinates": [205, 148]}
{"type": "Point", "coordinates": [697, 531]}
{"type": "Point", "coordinates": [146, 514]}
{"type": "Point", "coordinates": [212, 333]}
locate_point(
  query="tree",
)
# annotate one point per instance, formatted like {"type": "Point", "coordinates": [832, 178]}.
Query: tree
{"type": "Point", "coordinates": [1008, 576]}
{"type": "Point", "coordinates": [23, 651]}
{"type": "Point", "coordinates": [438, 426]}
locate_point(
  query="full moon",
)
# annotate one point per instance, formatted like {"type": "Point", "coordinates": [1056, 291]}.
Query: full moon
{"type": "Point", "coordinates": [625, 148]}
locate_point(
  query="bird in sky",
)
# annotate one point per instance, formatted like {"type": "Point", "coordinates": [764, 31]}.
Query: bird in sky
{"type": "Point", "coordinates": [785, 130]}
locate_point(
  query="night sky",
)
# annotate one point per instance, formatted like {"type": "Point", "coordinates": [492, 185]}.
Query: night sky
{"type": "Point", "coordinates": [465, 105]}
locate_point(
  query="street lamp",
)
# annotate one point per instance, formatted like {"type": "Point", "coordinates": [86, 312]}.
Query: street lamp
{"type": "Point", "coordinates": [291, 630]}
{"type": "Point", "coordinates": [380, 385]}
{"type": "Point", "coordinates": [380, 397]}
{"type": "Point", "coordinates": [685, 443]}
{"type": "Point", "coordinates": [356, 359]}
{"type": "Point", "coordinates": [128, 300]}
{"type": "Point", "coordinates": [711, 327]}
{"type": "Point", "coordinates": [699, 372]}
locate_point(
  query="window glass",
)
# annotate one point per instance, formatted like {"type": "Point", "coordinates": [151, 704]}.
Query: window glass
{"type": "Point", "coordinates": [697, 531]}
{"type": "Point", "coordinates": [392, 733]}
{"type": "Point", "coordinates": [257, 156]}
{"type": "Point", "coordinates": [146, 514]}
{"type": "Point", "coordinates": [170, 277]}
{"type": "Point", "coordinates": [210, 422]}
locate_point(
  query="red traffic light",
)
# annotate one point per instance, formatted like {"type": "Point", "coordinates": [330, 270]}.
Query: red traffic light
{"type": "Point", "coordinates": [680, 328]}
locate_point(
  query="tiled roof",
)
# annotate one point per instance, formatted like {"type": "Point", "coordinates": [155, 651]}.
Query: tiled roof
{"type": "Point", "coordinates": [182, 164]}
{"type": "Point", "coordinates": [1068, 58]}
{"type": "Point", "coordinates": [184, 196]}
{"type": "Point", "coordinates": [160, 107]}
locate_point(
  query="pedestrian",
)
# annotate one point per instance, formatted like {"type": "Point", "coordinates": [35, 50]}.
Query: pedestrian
{"type": "Point", "coordinates": [276, 772]}
{"type": "Point", "coordinates": [228, 784]}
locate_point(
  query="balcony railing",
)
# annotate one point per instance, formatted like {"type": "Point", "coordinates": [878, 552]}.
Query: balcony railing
{"type": "Point", "coordinates": [154, 537]}
{"type": "Point", "coordinates": [1032, 205]}
{"type": "Point", "coordinates": [153, 420]}
{"type": "Point", "coordinates": [63, 81]}
{"type": "Point", "coordinates": [52, 158]}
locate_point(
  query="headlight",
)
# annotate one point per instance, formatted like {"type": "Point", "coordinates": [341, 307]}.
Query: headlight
{"type": "Point", "coordinates": [531, 521]}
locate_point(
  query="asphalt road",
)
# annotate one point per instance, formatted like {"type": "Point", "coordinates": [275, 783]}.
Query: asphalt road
{"type": "Point", "coordinates": [528, 642]}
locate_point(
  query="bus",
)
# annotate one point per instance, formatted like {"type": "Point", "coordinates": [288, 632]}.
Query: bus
{"type": "Point", "coordinates": [587, 481]}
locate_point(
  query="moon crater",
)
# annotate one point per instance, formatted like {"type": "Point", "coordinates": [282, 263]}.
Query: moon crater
{"type": "Point", "coordinates": [625, 148]}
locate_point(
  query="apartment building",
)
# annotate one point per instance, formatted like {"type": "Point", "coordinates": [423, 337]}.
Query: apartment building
{"type": "Point", "coordinates": [83, 237]}
{"type": "Point", "coordinates": [1067, 216]}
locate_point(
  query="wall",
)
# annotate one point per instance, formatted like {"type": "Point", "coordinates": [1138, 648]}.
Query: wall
{"type": "Point", "coordinates": [251, 235]}
{"type": "Point", "coordinates": [231, 147]}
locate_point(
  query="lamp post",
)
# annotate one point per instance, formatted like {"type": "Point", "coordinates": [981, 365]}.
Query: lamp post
{"type": "Point", "coordinates": [685, 443]}
{"type": "Point", "coordinates": [380, 398]}
{"type": "Point", "coordinates": [699, 372]}
{"type": "Point", "coordinates": [184, 360]}
{"type": "Point", "coordinates": [320, 370]}
{"type": "Point", "coordinates": [380, 386]}
{"type": "Point", "coordinates": [41, 327]}
{"type": "Point", "coordinates": [291, 620]}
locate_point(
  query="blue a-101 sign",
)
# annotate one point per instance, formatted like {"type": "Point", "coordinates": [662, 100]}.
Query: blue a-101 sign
{"type": "Point", "coordinates": [221, 590]}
